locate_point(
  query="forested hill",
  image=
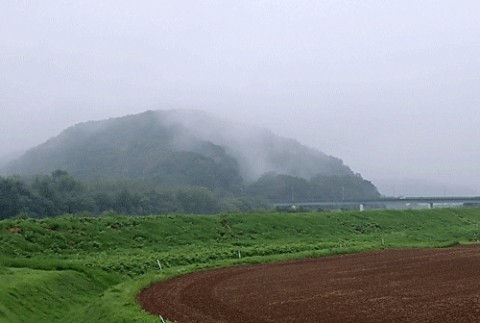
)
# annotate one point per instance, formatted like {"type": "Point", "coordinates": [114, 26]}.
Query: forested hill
{"type": "Point", "coordinates": [179, 148]}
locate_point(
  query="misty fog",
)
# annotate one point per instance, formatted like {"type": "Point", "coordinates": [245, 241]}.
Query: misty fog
{"type": "Point", "coordinates": [391, 88]}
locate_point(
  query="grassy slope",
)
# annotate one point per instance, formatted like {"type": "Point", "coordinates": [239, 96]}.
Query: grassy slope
{"type": "Point", "coordinates": [40, 295]}
{"type": "Point", "coordinates": [90, 269]}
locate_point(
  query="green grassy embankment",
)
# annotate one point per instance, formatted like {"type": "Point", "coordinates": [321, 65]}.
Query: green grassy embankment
{"type": "Point", "coordinates": [85, 269]}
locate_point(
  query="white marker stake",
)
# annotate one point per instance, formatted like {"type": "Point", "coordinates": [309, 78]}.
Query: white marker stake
{"type": "Point", "coordinates": [161, 318]}
{"type": "Point", "coordinates": [159, 264]}
{"type": "Point", "coordinates": [239, 255]}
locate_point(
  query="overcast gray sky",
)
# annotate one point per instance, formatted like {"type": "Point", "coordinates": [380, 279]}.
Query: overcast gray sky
{"type": "Point", "coordinates": [390, 87]}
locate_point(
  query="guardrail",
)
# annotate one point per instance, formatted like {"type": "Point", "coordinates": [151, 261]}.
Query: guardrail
{"type": "Point", "coordinates": [384, 201]}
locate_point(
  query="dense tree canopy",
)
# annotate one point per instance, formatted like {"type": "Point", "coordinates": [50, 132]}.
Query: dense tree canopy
{"type": "Point", "coordinates": [160, 162]}
{"type": "Point", "coordinates": [61, 193]}
{"type": "Point", "coordinates": [285, 188]}
{"type": "Point", "coordinates": [176, 148]}
{"type": "Point", "coordinates": [14, 197]}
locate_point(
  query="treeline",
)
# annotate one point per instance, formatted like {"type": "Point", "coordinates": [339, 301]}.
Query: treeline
{"type": "Point", "coordinates": [285, 188]}
{"type": "Point", "coordinates": [60, 193]}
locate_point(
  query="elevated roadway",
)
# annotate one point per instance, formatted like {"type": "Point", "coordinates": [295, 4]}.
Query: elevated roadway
{"type": "Point", "coordinates": [384, 202]}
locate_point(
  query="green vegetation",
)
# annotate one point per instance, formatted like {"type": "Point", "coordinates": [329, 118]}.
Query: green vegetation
{"type": "Point", "coordinates": [89, 269]}
{"type": "Point", "coordinates": [175, 148]}
{"type": "Point", "coordinates": [276, 187]}
{"type": "Point", "coordinates": [148, 163]}
{"type": "Point", "coordinates": [60, 193]}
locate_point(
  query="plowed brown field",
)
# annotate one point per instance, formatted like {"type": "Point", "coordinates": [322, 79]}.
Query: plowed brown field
{"type": "Point", "coordinates": [420, 285]}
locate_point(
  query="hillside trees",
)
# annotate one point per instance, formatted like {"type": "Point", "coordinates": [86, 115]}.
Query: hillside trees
{"type": "Point", "coordinates": [14, 197]}
{"type": "Point", "coordinates": [174, 147]}
{"type": "Point", "coordinates": [175, 161]}
{"type": "Point", "coordinates": [285, 188]}
{"type": "Point", "coordinates": [198, 200]}
{"type": "Point", "coordinates": [60, 193]}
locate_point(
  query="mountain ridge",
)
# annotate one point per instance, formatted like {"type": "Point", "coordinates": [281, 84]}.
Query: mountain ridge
{"type": "Point", "coordinates": [176, 148]}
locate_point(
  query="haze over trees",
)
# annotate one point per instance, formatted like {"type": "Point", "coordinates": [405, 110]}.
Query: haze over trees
{"type": "Point", "coordinates": [171, 161]}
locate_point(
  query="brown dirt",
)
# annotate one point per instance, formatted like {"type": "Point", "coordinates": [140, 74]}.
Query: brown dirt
{"type": "Point", "coordinates": [15, 230]}
{"type": "Point", "coordinates": [421, 285]}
